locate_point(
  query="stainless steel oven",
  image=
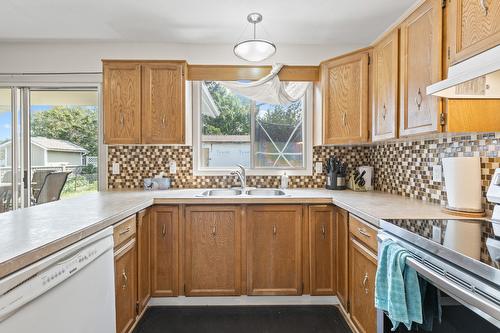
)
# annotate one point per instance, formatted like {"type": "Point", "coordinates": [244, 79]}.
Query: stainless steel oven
{"type": "Point", "coordinates": [469, 285]}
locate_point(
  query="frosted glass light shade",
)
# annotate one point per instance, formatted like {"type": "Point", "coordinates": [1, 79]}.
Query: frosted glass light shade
{"type": "Point", "coordinates": [254, 50]}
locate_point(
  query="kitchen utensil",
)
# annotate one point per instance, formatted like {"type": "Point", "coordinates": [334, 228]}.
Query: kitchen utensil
{"type": "Point", "coordinates": [368, 176]}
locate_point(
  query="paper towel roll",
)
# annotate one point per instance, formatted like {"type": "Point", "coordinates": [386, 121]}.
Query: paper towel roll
{"type": "Point", "coordinates": [462, 176]}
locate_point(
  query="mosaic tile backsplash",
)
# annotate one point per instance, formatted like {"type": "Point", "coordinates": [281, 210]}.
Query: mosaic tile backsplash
{"type": "Point", "coordinates": [401, 166]}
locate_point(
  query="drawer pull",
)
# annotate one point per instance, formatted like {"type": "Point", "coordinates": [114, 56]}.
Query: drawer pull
{"type": "Point", "coordinates": [275, 231]}
{"type": "Point", "coordinates": [214, 230]}
{"type": "Point", "coordinates": [163, 231]}
{"type": "Point", "coordinates": [123, 232]}
{"type": "Point", "coordinates": [365, 281]}
{"type": "Point", "coordinates": [125, 279]}
{"type": "Point", "coordinates": [344, 116]}
{"type": "Point", "coordinates": [163, 121]}
{"type": "Point", "coordinates": [384, 113]}
{"type": "Point", "coordinates": [363, 232]}
{"type": "Point", "coordinates": [323, 231]}
{"type": "Point", "coordinates": [484, 5]}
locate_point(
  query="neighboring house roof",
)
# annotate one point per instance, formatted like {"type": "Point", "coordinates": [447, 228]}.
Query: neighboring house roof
{"type": "Point", "coordinates": [53, 145]}
{"type": "Point", "coordinates": [208, 106]}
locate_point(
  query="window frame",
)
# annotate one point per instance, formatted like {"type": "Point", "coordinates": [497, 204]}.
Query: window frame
{"type": "Point", "coordinates": [308, 141]}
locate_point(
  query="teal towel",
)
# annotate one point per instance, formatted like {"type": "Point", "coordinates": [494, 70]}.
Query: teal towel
{"type": "Point", "coordinates": [397, 291]}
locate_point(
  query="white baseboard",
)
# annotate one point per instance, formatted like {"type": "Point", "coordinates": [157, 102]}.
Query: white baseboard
{"type": "Point", "coordinates": [243, 300]}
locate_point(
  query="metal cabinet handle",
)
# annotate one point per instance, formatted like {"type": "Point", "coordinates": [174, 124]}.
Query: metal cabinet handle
{"type": "Point", "coordinates": [344, 116]}
{"type": "Point", "coordinates": [163, 121]}
{"type": "Point", "coordinates": [275, 231]}
{"type": "Point", "coordinates": [214, 230]}
{"type": "Point", "coordinates": [163, 231]}
{"type": "Point", "coordinates": [363, 232]}
{"type": "Point", "coordinates": [125, 279]}
{"type": "Point", "coordinates": [365, 281]}
{"type": "Point", "coordinates": [323, 231]}
{"type": "Point", "coordinates": [123, 232]}
{"type": "Point", "coordinates": [419, 99]}
{"type": "Point", "coordinates": [484, 5]}
{"type": "Point", "coordinates": [122, 119]}
{"type": "Point", "coordinates": [384, 113]}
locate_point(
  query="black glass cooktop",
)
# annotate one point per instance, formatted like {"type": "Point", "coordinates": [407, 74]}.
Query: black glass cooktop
{"type": "Point", "coordinates": [466, 236]}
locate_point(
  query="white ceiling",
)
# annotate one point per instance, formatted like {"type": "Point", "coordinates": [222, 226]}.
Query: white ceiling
{"type": "Point", "coordinates": [313, 22]}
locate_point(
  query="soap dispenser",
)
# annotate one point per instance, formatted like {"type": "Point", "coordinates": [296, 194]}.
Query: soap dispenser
{"type": "Point", "coordinates": [284, 181]}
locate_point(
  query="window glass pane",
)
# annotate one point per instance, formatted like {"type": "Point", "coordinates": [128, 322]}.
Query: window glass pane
{"type": "Point", "coordinates": [5, 150]}
{"type": "Point", "coordinates": [225, 126]}
{"type": "Point", "coordinates": [64, 139]}
{"type": "Point", "coordinates": [279, 136]}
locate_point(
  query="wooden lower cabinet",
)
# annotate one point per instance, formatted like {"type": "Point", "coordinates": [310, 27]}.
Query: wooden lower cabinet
{"type": "Point", "coordinates": [363, 267]}
{"type": "Point", "coordinates": [212, 245]}
{"type": "Point", "coordinates": [143, 260]}
{"type": "Point", "coordinates": [164, 250]}
{"type": "Point", "coordinates": [342, 253]}
{"type": "Point", "coordinates": [273, 244]}
{"type": "Point", "coordinates": [125, 286]}
{"type": "Point", "coordinates": [322, 235]}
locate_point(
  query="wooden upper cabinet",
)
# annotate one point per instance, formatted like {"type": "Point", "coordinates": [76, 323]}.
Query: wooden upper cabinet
{"type": "Point", "coordinates": [164, 251]}
{"type": "Point", "coordinates": [163, 96]}
{"type": "Point", "coordinates": [322, 229]}
{"type": "Point", "coordinates": [385, 88]}
{"type": "Point", "coordinates": [212, 248]}
{"type": "Point", "coordinates": [420, 66]}
{"type": "Point", "coordinates": [345, 99]}
{"type": "Point", "coordinates": [474, 27]}
{"type": "Point", "coordinates": [274, 249]}
{"type": "Point", "coordinates": [342, 252]}
{"type": "Point", "coordinates": [122, 103]}
{"type": "Point", "coordinates": [143, 259]}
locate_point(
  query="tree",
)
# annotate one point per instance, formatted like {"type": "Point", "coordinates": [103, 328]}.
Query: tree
{"type": "Point", "coordinates": [234, 117]}
{"type": "Point", "coordinates": [74, 124]}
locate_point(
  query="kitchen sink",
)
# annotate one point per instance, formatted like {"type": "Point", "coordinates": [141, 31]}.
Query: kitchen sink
{"type": "Point", "coordinates": [266, 192]}
{"type": "Point", "coordinates": [229, 192]}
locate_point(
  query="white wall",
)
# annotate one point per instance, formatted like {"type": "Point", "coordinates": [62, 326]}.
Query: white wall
{"type": "Point", "coordinates": [45, 57]}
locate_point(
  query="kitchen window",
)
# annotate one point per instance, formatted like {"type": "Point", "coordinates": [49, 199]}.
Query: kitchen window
{"type": "Point", "coordinates": [230, 129]}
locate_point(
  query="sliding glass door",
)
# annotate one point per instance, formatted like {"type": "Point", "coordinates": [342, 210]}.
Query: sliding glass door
{"type": "Point", "coordinates": [49, 143]}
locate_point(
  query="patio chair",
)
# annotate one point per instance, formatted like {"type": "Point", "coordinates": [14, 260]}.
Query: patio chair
{"type": "Point", "coordinates": [51, 188]}
{"type": "Point", "coordinates": [38, 179]}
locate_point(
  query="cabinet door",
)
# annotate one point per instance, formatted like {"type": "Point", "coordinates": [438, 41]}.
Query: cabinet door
{"type": "Point", "coordinates": [125, 286]}
{"type": "Point", "coordinates": [274, 250]}
{"type": "Point", "coordinates": [342, 252]}
{"type": "Point", "coordinates": [420, 66]}
{"type": "Point", "coordinates": [122, 102]}
{"type": "Point", "coordinates": [163, 87]}
{"type": "Point", "coordinates": [345, 99]}
{"type": "Point", "coordinates": [474, 27]}
{"type": "Point", "coordinates": [164, 251]}
{"type": "Point", "coordinates": [143, 259]}
{"type": "Point", "coordinates": [385, 88]}
{"type": "Point", "coordinates": [323, 249]}
{"type": "Point", "coordinates": [212, 250]}
{"type": "Point", "coordinates": [363, 266]}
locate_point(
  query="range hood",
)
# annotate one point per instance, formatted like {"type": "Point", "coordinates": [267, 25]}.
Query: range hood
{"type": "Point", "coordinates": [475, 78]}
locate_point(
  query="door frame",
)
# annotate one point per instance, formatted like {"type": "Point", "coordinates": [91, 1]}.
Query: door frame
{"type": "Point", "coordinates": [21, 85]}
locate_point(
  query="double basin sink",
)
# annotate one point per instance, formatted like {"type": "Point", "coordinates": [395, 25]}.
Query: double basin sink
{"type": "Point", "coordinates": [231, 192]}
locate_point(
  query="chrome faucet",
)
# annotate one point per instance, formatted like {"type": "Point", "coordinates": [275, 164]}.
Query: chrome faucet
{"type": "Point", "coordinates": [241, 174]}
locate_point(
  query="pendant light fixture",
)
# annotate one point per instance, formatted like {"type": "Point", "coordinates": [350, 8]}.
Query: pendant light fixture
{"type": "Point", "coordinates": [254, 50]}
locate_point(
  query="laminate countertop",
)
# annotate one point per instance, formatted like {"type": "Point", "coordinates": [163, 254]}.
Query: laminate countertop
{"type": "Point", "coordinates": [33, 233]}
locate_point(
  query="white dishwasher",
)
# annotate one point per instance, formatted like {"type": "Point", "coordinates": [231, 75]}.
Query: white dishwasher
{"type": "Point", "coordinates": [71, 291]}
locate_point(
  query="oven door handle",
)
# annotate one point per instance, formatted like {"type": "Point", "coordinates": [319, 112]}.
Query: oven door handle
{"type": "Point", "coordinates": [465, 296]}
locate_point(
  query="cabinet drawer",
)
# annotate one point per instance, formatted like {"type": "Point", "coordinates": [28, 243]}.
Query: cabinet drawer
{"type": "Point", "coordinates": [363, 231]}
{"type": "Point", "coordinates": [124, 230]}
